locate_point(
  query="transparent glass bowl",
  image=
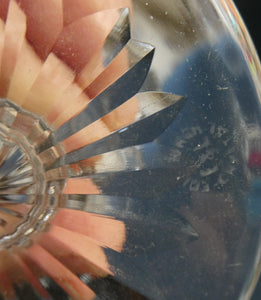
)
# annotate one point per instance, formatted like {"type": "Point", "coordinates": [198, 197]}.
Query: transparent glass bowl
{"type": "Point", "coordinates": [130, 151]}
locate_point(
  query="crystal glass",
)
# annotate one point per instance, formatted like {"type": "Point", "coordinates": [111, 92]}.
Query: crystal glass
{"type": "Point", "coordinates": [130, 150]}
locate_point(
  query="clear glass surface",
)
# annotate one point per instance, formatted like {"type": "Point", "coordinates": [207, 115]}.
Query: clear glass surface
{"type": "Point", "coordinates": [130, 151]}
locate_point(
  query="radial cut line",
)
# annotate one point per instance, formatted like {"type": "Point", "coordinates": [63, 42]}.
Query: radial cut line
{"type": "Point", "coordinates": [118, 37]}
{"type": "Point", "coordinates": [145, 130]}
{"type": "Point", "coordinates": [11, 212]}
{"type": "Point", "coordinates": [145, 183]}
{"type": "Point", "coordinates": [15, 199]}
{"type": "Point", "coordinates": [115, 95]}
{"type": "Point", "coordinates": [127, 208]}
{"type": "Point", "coordinates": [11, 163]}
{"type": "Point", "coordinates": [107, 163]}
{"type": "Point", "coordinates": [12, 180]}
